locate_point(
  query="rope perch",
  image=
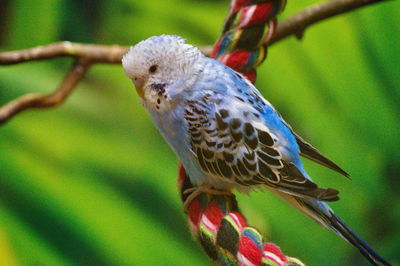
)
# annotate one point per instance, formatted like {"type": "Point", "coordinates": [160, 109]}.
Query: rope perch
{"type": "Point", "coordinates": [216, 221]}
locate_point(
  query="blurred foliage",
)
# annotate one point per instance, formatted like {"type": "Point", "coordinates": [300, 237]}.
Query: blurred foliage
{"type": "Point", "coordinates": [92, 182]}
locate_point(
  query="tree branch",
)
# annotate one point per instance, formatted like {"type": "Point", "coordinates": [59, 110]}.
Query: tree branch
{"type": "Point", "coordinates": [297, 24]}
{"type": "Point", "coordinates": [87, 54]}
{"type": "Point", "coordinates": [73, 77]}
{"type": "Point", "coordinates": [110, 54]}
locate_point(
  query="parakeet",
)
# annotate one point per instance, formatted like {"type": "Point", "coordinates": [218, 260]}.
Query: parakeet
{"type": "Point", "coordinates": [225, 133]}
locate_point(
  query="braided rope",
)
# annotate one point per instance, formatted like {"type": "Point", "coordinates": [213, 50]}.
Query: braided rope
{"type": "Point", "coordinates": [248, 25]}
{"type": "Point", "coordinates": [215, 220]}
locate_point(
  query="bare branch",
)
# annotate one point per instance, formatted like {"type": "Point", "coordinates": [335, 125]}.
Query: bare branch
{"type": "Point", "coordinates": [96, 53]}
{"type": "Point", "coordinates": [111, 54]}
{"type": "Point", "coordinates": [73, 77]}
{"type": "Point", "coordinates": [86, 54]}
{"type": "Point", "coordinates": [316, 13]}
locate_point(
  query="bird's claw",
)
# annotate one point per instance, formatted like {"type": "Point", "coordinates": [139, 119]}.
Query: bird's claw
{"type": "Point", "coordinates": [196, 191]}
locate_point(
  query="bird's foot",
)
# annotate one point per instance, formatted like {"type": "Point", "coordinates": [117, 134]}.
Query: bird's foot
{"type": "Point", "coordinates": [196, 191]}
{"type": "Point", "coordinates": [272, 25]}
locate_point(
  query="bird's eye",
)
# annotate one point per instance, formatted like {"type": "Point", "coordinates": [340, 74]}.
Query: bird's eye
{"type": "Point", "coordinates": [153, 69]}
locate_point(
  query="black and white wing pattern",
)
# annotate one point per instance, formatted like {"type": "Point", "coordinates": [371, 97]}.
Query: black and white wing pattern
{"type": "Point", "coordinates": [233, 144]}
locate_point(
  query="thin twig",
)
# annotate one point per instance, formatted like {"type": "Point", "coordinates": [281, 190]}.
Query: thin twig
{"type": "Point", "coordinates": [87, 54]}
{"type": "Point", "coordinates": [73, 77]}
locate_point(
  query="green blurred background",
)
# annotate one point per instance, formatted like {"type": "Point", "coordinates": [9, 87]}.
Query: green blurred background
{"type": "Point", "coordinates": [93, 183]}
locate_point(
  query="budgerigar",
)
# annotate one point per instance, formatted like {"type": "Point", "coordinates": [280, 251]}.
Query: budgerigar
{"type": "Point", "coordinates": [225, 133]}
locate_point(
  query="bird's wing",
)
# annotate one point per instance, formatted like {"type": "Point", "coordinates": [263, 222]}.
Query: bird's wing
{"type": "Point", "coordinates": [232, 141]}
{"type": "Point", "coordinates": [308, 151]}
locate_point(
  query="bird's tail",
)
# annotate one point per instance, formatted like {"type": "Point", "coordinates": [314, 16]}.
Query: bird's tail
{"type": "Point", "coordinates": [337, 225]}
{"type": "Point", "coordinates": [323, 214]}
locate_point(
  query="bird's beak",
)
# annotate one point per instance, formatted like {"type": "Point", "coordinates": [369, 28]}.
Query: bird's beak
{"type": "Point", "coordinates": [139, 86]}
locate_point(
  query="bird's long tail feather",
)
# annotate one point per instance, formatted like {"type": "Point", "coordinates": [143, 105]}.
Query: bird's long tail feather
{"type": "Point", "coordinates": [344, 231]}
{"type": "Point", "coordinates": [323, 214]}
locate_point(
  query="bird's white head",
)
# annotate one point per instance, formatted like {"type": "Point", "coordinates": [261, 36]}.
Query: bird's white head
{"type": "Point", "coordinates": [161, 66]}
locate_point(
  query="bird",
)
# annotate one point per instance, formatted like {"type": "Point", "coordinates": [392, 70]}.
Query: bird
{"type": "Point", "coordinates": [226, 134]}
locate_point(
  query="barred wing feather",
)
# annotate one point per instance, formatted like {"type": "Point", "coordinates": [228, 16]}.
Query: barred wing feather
{"type": "Point", "coordinates": [233, 143]}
